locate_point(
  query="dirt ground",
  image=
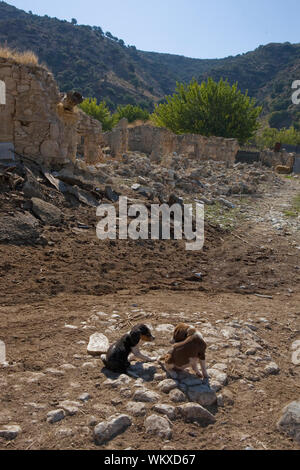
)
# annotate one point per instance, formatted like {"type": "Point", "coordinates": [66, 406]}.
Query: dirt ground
{"type": "Point", "coordinates": [66, 282]}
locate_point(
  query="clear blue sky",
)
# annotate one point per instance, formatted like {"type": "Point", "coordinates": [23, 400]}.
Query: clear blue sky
{"type": "Point", "coordinates": [194, 28]}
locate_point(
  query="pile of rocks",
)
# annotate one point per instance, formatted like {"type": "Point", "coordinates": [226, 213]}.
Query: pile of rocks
{"type": "Point", "coordinates": [210, 179]}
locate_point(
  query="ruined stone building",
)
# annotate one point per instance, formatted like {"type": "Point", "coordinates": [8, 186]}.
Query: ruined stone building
{"type": "Point", "coordinates": [35, 122]}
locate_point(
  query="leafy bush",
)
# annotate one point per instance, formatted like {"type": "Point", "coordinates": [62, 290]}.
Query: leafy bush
{"type": "Point", "coordinates": [99, 111]}
{"type": "Point", "coordinates": [270, 136]}
{"type": "Point", "coordinates": [209, 108]}
{"type": "Point", "coordinates": [132, 113]}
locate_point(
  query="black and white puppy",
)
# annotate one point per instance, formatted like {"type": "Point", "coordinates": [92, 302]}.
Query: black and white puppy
{"type": "Point", "coordinates": [116, 358]}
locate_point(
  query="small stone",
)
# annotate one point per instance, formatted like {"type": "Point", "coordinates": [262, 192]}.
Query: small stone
{"type": "Point", "coordinates": [98, 344]}
{"type": "Point", "coordinates": [167, 385]}
{"type": "Point", "coordinates": [167, 410]}
{"type": "Point", "coordinates": [10, 432]}
{"type": "Point", "coordinates": [53, 371]}
{"type": "Point", "coordinates": [192, 412]}
{"type": "Point", "coordinates": [70, 407]}
{"type": "Point", "coordinates": [177, 396]}
{"type": "Point", "coordinates": [84, 397]}
{"type": "Point", "coordinates": [55, 416]}
{"type": "Point", "coordinates": [92, 421]}
{"type": "Point", "coordinates": [65, 432]}
{"type": "Point", "coordinates": [2, 353]}
{"type": "Point", "coordinates": [145, 395]}
{"type": "Point", "coordinates": [108, 430]}
{"type": "Point", "coordinates": [271, 369]}
{"type": "Point", "coordinates": [125, 392]}
{"type": "Point", "coordinates": [159, 426]}
{"type": "Point", "coordinates": [68, 367]}
{"type": "Point", "coordinates": [225, 398]}
{"type": "Point", "coordinates": [89, 365]}
{"type": "Point", "coordinates": [136, 408]}
{"type": "Point", "coordinates": [159, 377]}
{"type": "Point", "coordinates": [122, 380]}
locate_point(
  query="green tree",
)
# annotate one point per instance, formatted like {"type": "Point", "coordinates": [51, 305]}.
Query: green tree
{"type": "Point", "coordinates": [99, 111]}
{"type": "Point", "coordinates": [211, 109]}
{"type": "Point", "coordinates": [131, 113]}
{"type": "Point", "coordinates": [270, 136]}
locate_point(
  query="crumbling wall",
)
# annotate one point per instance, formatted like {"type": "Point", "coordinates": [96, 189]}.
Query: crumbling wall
{"type": "Point", "coordinates": [34, 119]}
{"type": "Point", "coordinates": [90, 130]}
{"type": "Point", "coordinates": [117, 139]}
{"type": "Point", "coordinates": [158, 142]}
{"type": "Point", "coordinates": [272, 159]}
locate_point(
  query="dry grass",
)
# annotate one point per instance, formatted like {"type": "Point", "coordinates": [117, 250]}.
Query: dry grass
{"type": "Point", "coordinates": [25, 58]}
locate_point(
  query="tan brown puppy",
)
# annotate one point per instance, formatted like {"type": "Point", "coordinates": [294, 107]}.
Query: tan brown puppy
{"type": "Point", "coordinates": [188, 350]}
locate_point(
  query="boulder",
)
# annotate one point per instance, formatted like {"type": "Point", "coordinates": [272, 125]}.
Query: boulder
{"type": "Point", "coordinates": [19, 229]}
{"type": "Point", "coordinates": [202, 394]}
{"type": "Point", "coordinates": [47, 213]}
{"type": "Point", "coordinates": [192, 412]}
{"type": "Point", "coordinates": [108, 430]}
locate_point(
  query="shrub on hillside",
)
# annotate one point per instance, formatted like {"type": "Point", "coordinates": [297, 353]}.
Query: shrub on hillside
{"type": "Point", "coordinates": [270, 136]}
{"type": "Point", "coordinates": [131, 113]}
{"type": "Point", "coordinates": [210, 109]}
{"type": "Point", "coordinates": [99, 111]}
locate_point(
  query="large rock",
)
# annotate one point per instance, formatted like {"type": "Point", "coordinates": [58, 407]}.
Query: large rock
{"type": "Point", "coordinates": [289, 422]}
{"type": "Point", "coordinates": [48, 213]}
{"type": "Point", "coordinates": [98, 344]}
{"type": "Point", "coordinates": [158, 426]}
{"type": "Point", "coordinates": [202, 394]}
{"type": "Point", "coordinates": [192, 412]}
{"type": "Point", "coordinates": [108, 430]}
{"type": "Point", "coordinates": [20, 229]}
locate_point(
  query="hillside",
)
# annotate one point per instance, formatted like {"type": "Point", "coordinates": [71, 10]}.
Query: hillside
{"type": "Point", "coordinates": [101, 65]}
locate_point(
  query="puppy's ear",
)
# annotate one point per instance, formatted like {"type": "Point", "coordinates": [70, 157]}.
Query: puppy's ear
{"type": "Point", "coordinates": [135, 337]}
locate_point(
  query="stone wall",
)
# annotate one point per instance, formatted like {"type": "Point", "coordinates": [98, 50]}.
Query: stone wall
{"type": "Point", "coordinates": [117, 139]}
{"type": "Point", "coordinates": [34, 120]}
{"type": "Point", "coordinates": [272, 159]}
{"type": "Point", "coordinates": [159, 142]}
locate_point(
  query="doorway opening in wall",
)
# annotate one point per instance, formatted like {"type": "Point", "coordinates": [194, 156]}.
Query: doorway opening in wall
{"type": "Point", "coordinates": [80, 149]}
